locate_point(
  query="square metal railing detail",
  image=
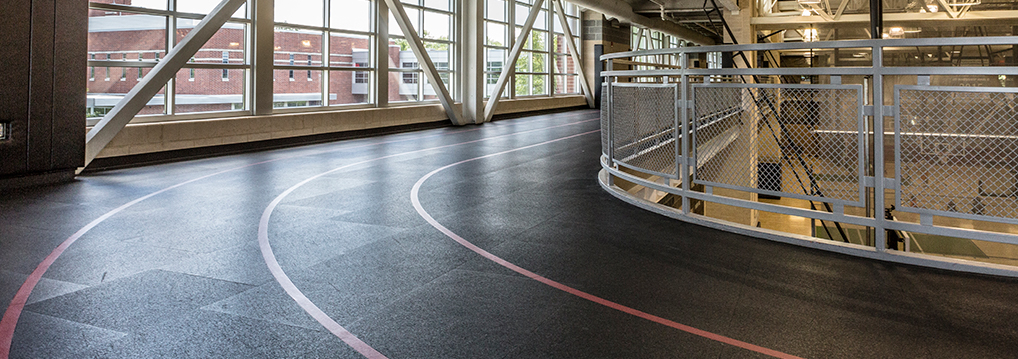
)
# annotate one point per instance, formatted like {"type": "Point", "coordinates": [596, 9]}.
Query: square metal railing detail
{"type": "Point", "coordinates": [957, 151]}
{"type": "Point", "coordinates": [801, 141]}
{"type": "Point", "coordinates": [644, 126]}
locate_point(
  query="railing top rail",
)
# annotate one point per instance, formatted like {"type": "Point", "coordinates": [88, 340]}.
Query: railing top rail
{"type": "Point", "coordinates": [947, 41]}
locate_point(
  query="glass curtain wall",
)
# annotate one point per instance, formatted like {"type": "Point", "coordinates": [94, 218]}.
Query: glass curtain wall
{"type": "Point", "coordinates": [647, 39]}
{"type": "Point", "coordinates": [126, 39]}
{"type": "Point", "coordinates": [544, 66]}
{"type": "Point", "coordinates": [322, 53]}
{"type": "Point", "coordinates": [436, 24]}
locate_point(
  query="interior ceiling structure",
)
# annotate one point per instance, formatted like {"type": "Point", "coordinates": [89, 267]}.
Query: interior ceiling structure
{"type": "Point", "coordinates": [696, 20]}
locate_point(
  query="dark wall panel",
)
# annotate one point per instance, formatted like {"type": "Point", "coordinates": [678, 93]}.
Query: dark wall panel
{"type": "Point", "coordinates": [43, 47]}
{"type": "Point", "coordinates": [15, 43]}
{"type": "Point", "coordinates": [69, 81]}
{"type": "Point", "coordinates": [40, 106]}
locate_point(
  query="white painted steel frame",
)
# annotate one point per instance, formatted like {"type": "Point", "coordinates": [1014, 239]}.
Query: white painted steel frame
{"type": "Point", "coordinates": [571, 47]}
{"type": "Point", "coordinates": [674, 130]}
{"type": "Point", "coordinates": [897, 151]}
{"type": "Point", "coordinates": [136, 99]}
{"type": "Point", "coordinates": [417, 46]}
{"type": "Point", "coordinates": [510, 63]}
{"type": "Point", "coordinates": [876, 113]}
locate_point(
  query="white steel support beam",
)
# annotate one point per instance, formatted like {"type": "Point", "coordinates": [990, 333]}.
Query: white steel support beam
{"type": "Point", "coordinates": [424, 59]}
{"type": "Point", "coordinates": [262, 57]}
{"type": "Point", "coordinates": [510, 63]}
{"type": "Point", "coordinates": [381, 54]}
{"type": "Point", "coordinates": [138, 97]}
{"type": "Point", "coordinates": [572, 51]}
{"type": "Point", "coordinates": [472, 60]}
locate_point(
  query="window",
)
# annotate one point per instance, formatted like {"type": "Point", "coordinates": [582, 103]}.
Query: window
{"type": "Point", "coordinates": [361, 77]}
{"type": "Point", "coordinates": [123, 74]}
{"type": "Point", "coordinates": [309, 64]}
{"type": "Point", "coordinates": [107, 68]}
{"type": "Point", "coordinates": [91, 69]}
{"type": "Point", "coordinates": [291, 64]}
{"type": "Point", "coordinates": [410, 77]}
{"type": "Point", "coordinates": [140, 73]}
{"type": "Point", "coordinates": [226, 60]}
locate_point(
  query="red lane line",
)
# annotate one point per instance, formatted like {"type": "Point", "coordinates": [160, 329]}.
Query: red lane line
{"type": "Point", "coordinates": [291, 289]}
{"type": "Point", "coordinates": [10, 319]}
{"type": "Point", "coordinates": [415, 198]}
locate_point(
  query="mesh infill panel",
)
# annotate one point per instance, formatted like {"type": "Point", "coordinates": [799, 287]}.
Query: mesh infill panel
{"type": "Point", "coordinates": [643, 128]}
{"type": "Point", "coordinates": [808, 139]}
{"type": "Point", "coordinates": [604, 119]}
{"type": "Point", "coordinates": [959, 152]}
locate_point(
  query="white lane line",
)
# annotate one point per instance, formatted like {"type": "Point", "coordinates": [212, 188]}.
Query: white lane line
{"type": "Point", "coordinates": [415, 199]}
{"type": "Point", "coordinates": [295, 293]}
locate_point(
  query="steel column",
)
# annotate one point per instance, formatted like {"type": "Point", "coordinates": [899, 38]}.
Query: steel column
{"type": "Point", "coordinates": [472, 60]}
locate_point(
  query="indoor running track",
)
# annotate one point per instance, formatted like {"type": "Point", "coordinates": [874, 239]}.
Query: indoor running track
{"type": "Point", "coordinates": [491, 241]}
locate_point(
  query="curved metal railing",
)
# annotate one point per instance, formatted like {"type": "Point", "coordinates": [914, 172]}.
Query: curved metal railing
{"type": "Point", "coordinates": [726, 145]}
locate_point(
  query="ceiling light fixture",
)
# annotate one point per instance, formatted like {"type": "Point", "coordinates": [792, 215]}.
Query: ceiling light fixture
{"type": "Point", "coordinates": [896, 31]}
{"type": "Point", "coordinates": [806, 12]}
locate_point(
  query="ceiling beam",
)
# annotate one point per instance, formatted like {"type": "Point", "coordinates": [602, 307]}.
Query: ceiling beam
{"type": "Point", "coordinates": [972, 18]}
{"type": "Point", "coordinates": [624, 13]}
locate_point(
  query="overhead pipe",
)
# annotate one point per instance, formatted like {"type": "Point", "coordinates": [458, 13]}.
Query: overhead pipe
{"type": "Point", "coordinates": [624, 13]}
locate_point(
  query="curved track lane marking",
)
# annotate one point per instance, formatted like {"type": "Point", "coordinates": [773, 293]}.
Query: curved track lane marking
{"type": "Point", "coordinates": [13, 312]}
{"type": "Point", "coordinates": [291, 289]}
{"type": "Point", "coordinates": [415, 198]}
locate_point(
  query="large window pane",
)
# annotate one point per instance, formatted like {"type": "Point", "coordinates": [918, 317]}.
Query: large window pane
{"type": "Point", "coordinates": [301, 12]}
{"type": "Point", "coordinates": [439, 4]}
{"type": "Point", "coordinates": [108, 89]}
{"type": "Point", "coordinates": [437, 26]}
{"type": "Point", "coordinates": [204, 7]}
{"type": "Point", "coordinates": [353, 15]}
{"type": "Point", "coordinates": [209, 90]}
{"type": "Point", "coordinates": [349, 87]}
{"type": "Point", "coordinates": [567, 85]}
{"type": "Point", "coordinates": [297, 88]}
{"type": "Point", "coordinates": [347, 50]}
{"type": "Point", "coordinates": [226, 46]}
{"type": "Point", "coordinates": [495, 34]}
{"type": "Point", "coordinates": [296, 47]}
{"type": "Point", "coordinates": [495, 10]}
{"type": "Point", "coordinates": [413, 14]}
{"type": "Point", "coordinates": [126, 32]}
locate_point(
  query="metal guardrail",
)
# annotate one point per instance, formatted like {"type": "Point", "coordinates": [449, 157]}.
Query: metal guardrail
{"type": "Point", "coordinates": [949, 152]}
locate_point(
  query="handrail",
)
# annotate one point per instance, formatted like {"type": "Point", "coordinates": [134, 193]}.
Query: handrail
{"type": "Point", "coordinates": [840, 44]}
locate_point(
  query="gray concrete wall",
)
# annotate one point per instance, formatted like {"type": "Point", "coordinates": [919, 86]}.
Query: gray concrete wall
{"type": "Point", "coordinates": [42, 93]}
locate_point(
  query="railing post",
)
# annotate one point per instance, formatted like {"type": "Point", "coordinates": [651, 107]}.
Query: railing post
{"type": "Point", "coordinates": [880, 235]}
{"type": "Point", "coordinates": [684, 118]}
{"type": "Point", "coordinates": [611, 112]}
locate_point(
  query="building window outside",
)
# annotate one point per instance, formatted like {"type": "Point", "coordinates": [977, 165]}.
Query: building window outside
{"type": "Point", "coordinates": [91, 69]}
{"type": "Point", "coordinates": [143, 29]}
{"type": "Point", "coordinates": [226, 60]}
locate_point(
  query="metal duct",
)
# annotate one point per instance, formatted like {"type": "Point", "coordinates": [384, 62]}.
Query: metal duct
{"type": "Point", "coordinates": [622, 11]}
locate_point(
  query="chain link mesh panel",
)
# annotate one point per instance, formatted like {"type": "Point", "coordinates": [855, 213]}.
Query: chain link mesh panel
{"type": "Point", "coordinates": [605, 107]}
{"type": "Point", "coordinates": [802, 142]}
{"type": "Point", "coordinates": [959, 152]}
{"type": "Point", "coordinates": [643, 128]}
